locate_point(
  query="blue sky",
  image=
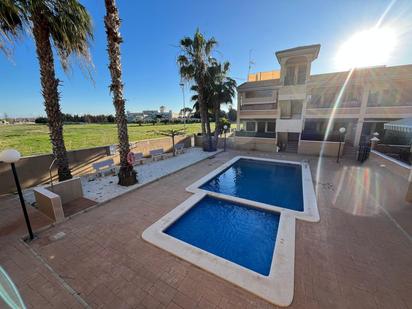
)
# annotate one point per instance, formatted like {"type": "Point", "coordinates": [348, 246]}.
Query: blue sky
{"type": "Point", "coordinates": [151, 32]}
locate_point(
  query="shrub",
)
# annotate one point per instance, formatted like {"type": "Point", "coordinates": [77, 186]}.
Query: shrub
{"type": "Point", "coordinates": [41, 120]}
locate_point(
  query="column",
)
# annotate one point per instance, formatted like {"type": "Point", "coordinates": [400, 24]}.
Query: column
{"type": "Point", "coordinates": [359, 126]}
{"type": "Point", "coordinates": [239, 104]}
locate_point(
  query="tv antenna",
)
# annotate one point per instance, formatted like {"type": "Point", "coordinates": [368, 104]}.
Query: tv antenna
{"type": "Point", "coordinates": [251, 62]}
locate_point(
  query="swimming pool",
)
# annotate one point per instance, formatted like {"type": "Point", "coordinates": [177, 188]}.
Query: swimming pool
{"type": "Point", "coordinates": [285, 186]}
{"type": "Point", "coordinates": [244, 235]}
{"type": "Point", "coordinates": [250, 247]}
{"type": "Point", "coordinates": [273, 183]}
{"type": "Point", "coordinates": [240, 224]}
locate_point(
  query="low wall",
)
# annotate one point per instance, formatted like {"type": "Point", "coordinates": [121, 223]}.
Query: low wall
{"type": "Point", "coordinates": [314, 148]}
{"type": "Point", "coordinates": [254, 143]}
{"type": "Point", "coordinates": [244, 143]}
{"type": "Point", "coordinates": [34, 170]}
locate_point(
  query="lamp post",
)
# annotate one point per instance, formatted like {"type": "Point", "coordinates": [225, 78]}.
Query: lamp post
{"type": "Point", "coordinates": [182, 85]}
{"type": "Point", "coordinates": [12, 156]}
{"type": "Point", "coordinates": [341, 132]}
{"type": "Point", "coordinates": [224, 144]}
{"type": "Point", "coordinates": [374, 140]}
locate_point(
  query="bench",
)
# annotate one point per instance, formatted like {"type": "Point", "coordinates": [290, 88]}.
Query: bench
{"type": "Point", "coordinates": [104, 166]}
{"type": "Point", "coordinates": [179, 148]}
{"type": "Point", "coordinates": [157, 154]}
{"type": "Point", "coordinates": [138, 158]}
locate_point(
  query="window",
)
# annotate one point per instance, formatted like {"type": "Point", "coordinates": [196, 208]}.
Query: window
{"type": "Point", "coordinates": [389, 97]}
{"type": "Point", "coordinates": [259, 94]}
{"type": "Point", "coordinates": [271, 126]}
{"type": "Point", "coordinates": [301, 74]}
{"type": "Point", "coordinates": [261, 125]}
{"type": "Point", "coordinates": [373, 98]}
{"type": "Point", "coordinates": [290, 75]}
{"type": "Point", "coordinates": [310, 126]}
{"type": "Point", "coordinates": [250, 126]}
{"type": "Point", "coordinates": [405, 94]}
{"type": "Point", "coordinates": [315, 97]}
{"type": "Point", "coordinates": [352, 97]}
{"type": "Point", "coordinates": [329, 98]}
{"type": "Point", "coordinates": [296, 109]}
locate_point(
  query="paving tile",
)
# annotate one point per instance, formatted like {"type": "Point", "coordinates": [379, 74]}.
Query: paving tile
{"type": "Point", "coordinates": [354, 258]}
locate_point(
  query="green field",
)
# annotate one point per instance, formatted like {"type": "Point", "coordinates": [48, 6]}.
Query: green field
{"type": "Point", "coordinates": [33, 139]}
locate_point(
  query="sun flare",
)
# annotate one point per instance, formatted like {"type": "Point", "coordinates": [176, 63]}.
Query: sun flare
{"type": "Point", "coordinates": [367, 48]}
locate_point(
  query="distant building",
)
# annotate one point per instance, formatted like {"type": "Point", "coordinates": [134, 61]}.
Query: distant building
{"type": "Point", "coordinates": [151, 115]}
{"type": "Point", "coordinates": [134, 117]}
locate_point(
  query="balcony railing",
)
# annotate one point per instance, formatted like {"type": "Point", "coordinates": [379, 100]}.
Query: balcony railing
{"type": "Point", "coordinates": [346, 104]}
{"type": "Point", "coordinates": [319, 136]}
{"type": "Point", "coordinates": [255, 134]}
{"type": "Point", "coordinates": [256, 107]}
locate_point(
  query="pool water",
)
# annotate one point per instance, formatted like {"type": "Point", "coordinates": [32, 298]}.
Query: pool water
{"type": "Point", "coordinates": [243, 235]}
{"type": "Point", "coordinates": [273, 183]}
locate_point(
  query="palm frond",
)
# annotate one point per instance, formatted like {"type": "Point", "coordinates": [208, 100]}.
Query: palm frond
{"type": "Point", "coordinates": [210, 44]}
{"type": "Point", "coordinates": [71, 31]}
{"type": "Point", "coordinates": [13, 23]}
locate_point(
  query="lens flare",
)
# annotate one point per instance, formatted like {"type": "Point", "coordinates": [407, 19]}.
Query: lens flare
{"type": "Point", "coordinates": [367, 48]}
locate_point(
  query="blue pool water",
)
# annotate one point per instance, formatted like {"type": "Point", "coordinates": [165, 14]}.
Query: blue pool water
{"type": "Point", "coordinates": [243, 235]}
{"type": "Point", "coordinates": [267, 182]}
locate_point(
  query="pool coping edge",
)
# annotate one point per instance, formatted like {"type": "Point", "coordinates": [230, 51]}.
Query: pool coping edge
{"type": "Point", "coordinates": [276, 288]}
{"type": "Point", "coordinates": [310, 213]}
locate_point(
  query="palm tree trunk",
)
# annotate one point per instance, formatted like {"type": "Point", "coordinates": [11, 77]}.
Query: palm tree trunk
{"type": "Point", "coordinates": [217, 127]}
{"type": "Point", "coordinates": [173, 145]}
{"type": "Point", "coordinates": [50, 92]}
{"type": "Point", "coordinates": [209, 132]}
{"type": "Point", "coordinates": [203, 118]}
{"type": "Point", "coordinates": [127, 175]}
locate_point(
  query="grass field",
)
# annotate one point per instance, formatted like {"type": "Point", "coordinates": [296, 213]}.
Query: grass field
{"type": "Point", "coordinates": [33, 139]}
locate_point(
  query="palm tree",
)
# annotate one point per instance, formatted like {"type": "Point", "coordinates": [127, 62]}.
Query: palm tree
{"type": "Point", "coordinates": [127, 175]}
{"type": "Point", "coordinates": [67, 24]}
{"type": "Point", "coordinates": [193, 62]}
{"type": "Point", "coordinates": [219, 89]}
{"type": "Point", "coordinates": [222, 90]}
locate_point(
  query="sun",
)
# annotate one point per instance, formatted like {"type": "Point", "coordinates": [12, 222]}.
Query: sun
{"type": "Point", "coordinates": [367, 48]}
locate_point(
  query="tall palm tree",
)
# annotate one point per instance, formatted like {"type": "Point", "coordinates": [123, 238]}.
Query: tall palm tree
{"type": "Point", "coordinates": [67, 24]}
{"type": "Point", "coordinates": [193, 61]}
{"type": "Point", "coordinates": [127, 175]}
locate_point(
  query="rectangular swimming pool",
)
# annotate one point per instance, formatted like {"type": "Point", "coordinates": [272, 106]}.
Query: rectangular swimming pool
{"type": "Point", "coordinates": [269, 182]}
{"type": "Point", "coordinates": [243, 235]}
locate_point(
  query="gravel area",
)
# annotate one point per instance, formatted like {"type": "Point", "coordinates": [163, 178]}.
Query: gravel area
{"type": "Point", "coordinates": [105, 188]}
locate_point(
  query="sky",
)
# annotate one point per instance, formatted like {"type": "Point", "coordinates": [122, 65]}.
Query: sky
{"type": "Point", "coordinates": [152, 29]}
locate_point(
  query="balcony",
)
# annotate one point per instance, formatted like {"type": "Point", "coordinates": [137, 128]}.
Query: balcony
{"type": "Point", "coordinates": [289, 125]}
{"type": "Point", "coordinates": [258, 107]}
{"type": "Point", "coordinates": [292, 92]}
{"type": "Point", "coordinates": [255, 134]}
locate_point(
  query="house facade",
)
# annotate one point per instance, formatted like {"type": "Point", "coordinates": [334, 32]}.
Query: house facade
{"type": "Point", "coordinates": [293, 109]}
